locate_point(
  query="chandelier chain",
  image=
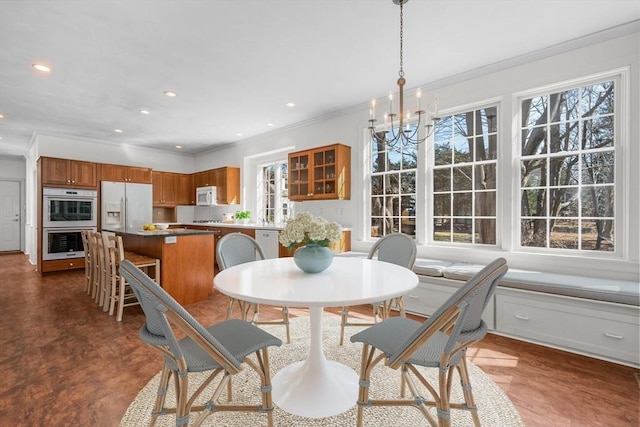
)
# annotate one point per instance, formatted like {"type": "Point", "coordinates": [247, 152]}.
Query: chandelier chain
{"type": "Point", "coordinates": [401, 72]}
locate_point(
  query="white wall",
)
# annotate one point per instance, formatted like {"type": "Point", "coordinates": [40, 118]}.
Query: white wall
{"type": "Point", "coordinates": [15, 169]}
{"type": "Point", "coordinates": [348, 127]}
{"type": "Point", "coordinates": [102, 152]}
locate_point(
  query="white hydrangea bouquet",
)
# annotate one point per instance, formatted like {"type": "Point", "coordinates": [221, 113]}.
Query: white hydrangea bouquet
{"type": "Point", "coordinates": [308, 229]}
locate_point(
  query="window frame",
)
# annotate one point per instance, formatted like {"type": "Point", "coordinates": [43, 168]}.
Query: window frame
{"type": "Point", "coordinates": [621, 163]}
{"type": "Point", "coordinates": [430, 161]}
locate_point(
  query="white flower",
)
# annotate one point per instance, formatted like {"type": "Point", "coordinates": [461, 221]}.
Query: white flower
{"type": "Point", "coordinates": [306, 228]}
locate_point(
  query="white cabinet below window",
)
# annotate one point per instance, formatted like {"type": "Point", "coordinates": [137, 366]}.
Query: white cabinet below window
{"type": "Point", "coordinates": [268, 239]}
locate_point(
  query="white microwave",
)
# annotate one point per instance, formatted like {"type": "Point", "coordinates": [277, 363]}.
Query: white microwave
{"type": "Point", "coordinates": [206, 196]}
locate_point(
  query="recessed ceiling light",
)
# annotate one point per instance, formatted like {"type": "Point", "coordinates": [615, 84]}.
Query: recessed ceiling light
{"type": "Point", "coordinates": [179, 147]}
{"type": "Point", "coordinates": [41, 67]}
{"type": "Point", "coordinates": [290, 104]}
{"type": "Point", "coordinates": [118, 130]}
{"type": "Point", "coordinates": [1, 116]}
{"type": "Point", "coordinates": [170, 94]}
{"type": "Point", "coordinates": [270, 124]}
{"type": "Point", "coordinates": [239, 134]}
{"type": "Point", "coordinates": [144, 111]}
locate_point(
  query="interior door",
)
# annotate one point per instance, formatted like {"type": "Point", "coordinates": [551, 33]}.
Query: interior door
{"type": "Point", "coordinates": [9, 216]}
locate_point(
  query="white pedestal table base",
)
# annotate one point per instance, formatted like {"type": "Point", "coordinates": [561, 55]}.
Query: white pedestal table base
{"type": "Point", "coordinates": [315, 387]}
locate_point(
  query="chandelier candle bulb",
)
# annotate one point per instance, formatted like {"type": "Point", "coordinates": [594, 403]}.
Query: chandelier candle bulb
{"type": "Point", "coordinates": [418, 95]}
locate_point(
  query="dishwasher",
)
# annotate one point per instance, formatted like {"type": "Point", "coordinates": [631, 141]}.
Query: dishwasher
{"type": "Point", "coordinates": [268, 239]}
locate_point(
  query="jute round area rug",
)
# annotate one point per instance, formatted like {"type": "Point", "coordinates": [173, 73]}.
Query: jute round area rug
{"type": "Point", "coordinates": [494, 407]}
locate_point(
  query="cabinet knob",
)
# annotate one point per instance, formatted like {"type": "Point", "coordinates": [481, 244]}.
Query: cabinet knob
{"type": "Point", "coordinates": [70, 264]}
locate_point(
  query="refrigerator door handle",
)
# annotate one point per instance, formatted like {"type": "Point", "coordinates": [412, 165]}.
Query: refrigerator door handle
{"type": "Point", "coordinates": [123, 219]}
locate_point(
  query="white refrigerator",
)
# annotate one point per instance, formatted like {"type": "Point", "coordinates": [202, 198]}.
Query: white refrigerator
{"type": "Point", "coordinates": [125, 206]}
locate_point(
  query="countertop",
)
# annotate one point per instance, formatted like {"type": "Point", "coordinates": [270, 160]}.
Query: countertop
{"type": "Point", "coordinates": [170, 232]}
{"type": "Point", "coordinates": [233, 225]}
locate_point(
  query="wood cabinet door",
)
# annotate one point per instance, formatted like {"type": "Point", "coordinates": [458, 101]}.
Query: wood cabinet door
{"type": "Point", "coordinates": [55, 171]}
{"type": "Point", "coordinates": [114, 173]}
{"type": "Point", "coordinates": [157, 187]}
{"type": "Point", "coordinates": [299, 178]}
{"type": "Point", "coordinates": [84, 174]}
{"type": "Point", "coordinates": [169, 188]}
{"type": "Point", "coordinates": [204, 178]}
{"type": "Point", "coordinates": [228, 185]}
{"type": "Point", "coordinates": [139, 175]}
{"type": "Point", "coordinates": [186, 190]}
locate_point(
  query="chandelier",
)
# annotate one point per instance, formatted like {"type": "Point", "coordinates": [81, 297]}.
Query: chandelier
{"type": "Point", "coordinates": [401, 126]}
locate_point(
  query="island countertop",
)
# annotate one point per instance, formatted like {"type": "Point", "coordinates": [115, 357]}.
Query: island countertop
{"type": "Point", "coordinates": [170, 232]}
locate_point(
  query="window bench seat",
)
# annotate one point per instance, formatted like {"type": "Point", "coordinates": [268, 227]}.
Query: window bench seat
{"type": "Point", "coordinates": [591, 316]}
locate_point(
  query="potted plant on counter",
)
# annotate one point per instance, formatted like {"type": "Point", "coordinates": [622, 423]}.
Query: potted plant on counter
{"type": "Point", "coordinates": [242, 217]}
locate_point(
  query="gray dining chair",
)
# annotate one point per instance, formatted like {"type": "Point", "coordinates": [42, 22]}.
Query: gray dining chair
{"type": "Point", "coordinates": [239, 248]}
{"type": "Point", "coordinates": [440, 342]}
{"type": "Point", "coordinates": [396, 248]}
{"type": "Point", "coordinates": [224, 349]}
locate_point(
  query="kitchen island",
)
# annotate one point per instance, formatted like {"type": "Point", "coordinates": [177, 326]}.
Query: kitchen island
{"type": "Point", "coordinates": [186, 259]}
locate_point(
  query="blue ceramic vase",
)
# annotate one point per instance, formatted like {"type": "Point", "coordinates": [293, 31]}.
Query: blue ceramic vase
{"type": "Point", "coordinates": [313, 258]}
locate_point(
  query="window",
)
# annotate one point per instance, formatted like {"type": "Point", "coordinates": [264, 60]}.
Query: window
{"type": "Point", "coordinates": [393, 188]}
{"type": "Point", "coordinates": [273, 201]}
{"type": "Point", "coordinates": [464, 177]}
{"type": "Point", "coordinates": [567, 168]}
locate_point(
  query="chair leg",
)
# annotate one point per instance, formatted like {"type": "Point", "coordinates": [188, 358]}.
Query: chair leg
{"type": "Point", "coordinates": [442, 405]}
{"type": "Point", "coordinates": [363, 389]}
{"type": "Point", "coordinates": [285, 320]}
{"type": "Point", "coordinates": [230, 308]}
{"type": "Point", "coordinates": [467, 389]}
{"type": "Point", "coordinates": [343, 323]}
{"type": "Point", "coordinates": [161, 394]}
{"type": "Point", "coordinates": [116, 293]}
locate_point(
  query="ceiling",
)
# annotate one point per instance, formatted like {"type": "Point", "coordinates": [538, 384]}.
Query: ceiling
{"type": "Point", "coordinates": [234, 64]}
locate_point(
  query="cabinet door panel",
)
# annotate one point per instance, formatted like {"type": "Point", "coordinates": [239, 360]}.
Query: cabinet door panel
{"type": "Point", "coordinates": [139, 175]}
{"type": "Point", "coordinates": [84, 174]}
{"type": "Point", "coordinates": [55, 171]}
{"type": "Point", "coordinates": [115, 173]}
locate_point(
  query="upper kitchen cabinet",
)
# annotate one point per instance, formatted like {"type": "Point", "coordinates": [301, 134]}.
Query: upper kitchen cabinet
{"type": "Point", "coordinates": [227, 182]}
{"type": "Point", "coordinates": [165, 188]}
{"type": "Point", "coordinates": [120, 173]}
{"type": "Point", "coordinates": [68, 173]}
{"type": "Point", "coordinates": [186, 190]}
{"type": "Point", "coordinates": [320, 174]}
{"type": "Point", "coordinates": [204, 178]}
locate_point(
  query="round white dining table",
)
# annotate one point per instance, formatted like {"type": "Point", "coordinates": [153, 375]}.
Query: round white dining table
{"type": "Point", "coordinates": [315, 387]}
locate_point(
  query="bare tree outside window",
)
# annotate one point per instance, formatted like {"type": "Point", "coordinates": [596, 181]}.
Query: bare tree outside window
{"type": "Point", "coordinates": [464, 177]}
{"type": "Point", "coordinates": [393, 188]}
{"type": "Point", "coordinates": [567, 169]}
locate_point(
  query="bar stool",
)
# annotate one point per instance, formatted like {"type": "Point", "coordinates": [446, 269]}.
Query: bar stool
{"type": "Point", "coordinates": [88, 267]}
{"type": "Point", "coordinates": [120, 291]}
{"type": "Point", "coordinates": [96, 283]}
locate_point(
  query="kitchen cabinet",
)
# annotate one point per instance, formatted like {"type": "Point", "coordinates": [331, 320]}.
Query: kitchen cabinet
{"type": "Point", "coordinates": [165, 188]}
{"type": "Point", "coordinates": [61, 264]}
{"type": "Point", "coordinates": [119, 173]}
{"type": "Point", "coordinates": [321, 173]}
{"type": "Point", "coordinates": [204, 178]}
{"type": "Point", "coordinates": [186, 190]}
{"type": "Point", "coordinates": [268, 240]}
{"type": "Point", "coordinates": [68, 173]}
{"type": "Point", "coordinates": [225, 179]}
{"type": "Point", "coordinates": [227, 182]}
